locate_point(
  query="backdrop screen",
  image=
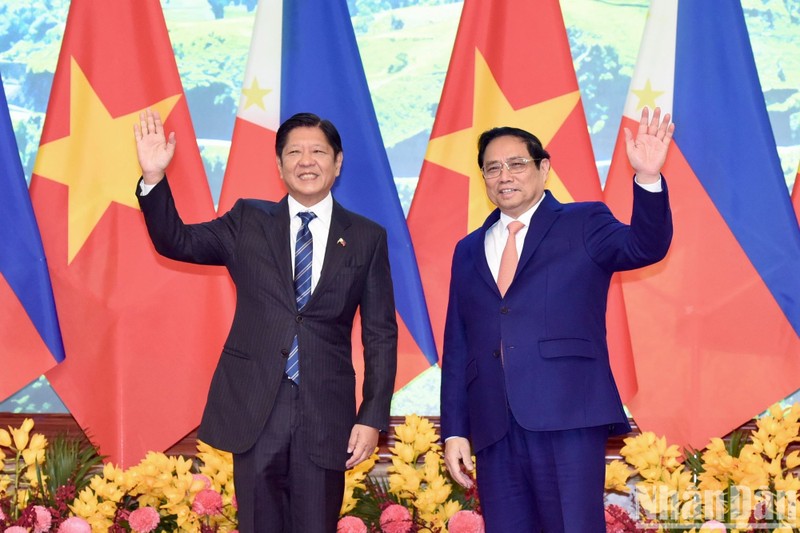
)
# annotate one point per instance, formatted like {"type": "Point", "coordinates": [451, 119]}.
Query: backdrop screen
{"type": "Point", "coordinates": [405, 47]}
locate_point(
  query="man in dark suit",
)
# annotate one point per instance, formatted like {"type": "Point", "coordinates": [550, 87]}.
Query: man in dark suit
{"type": "Point", "coordinates": [282, 398]}
{"type": "Point", "coordinates": [525, 371]}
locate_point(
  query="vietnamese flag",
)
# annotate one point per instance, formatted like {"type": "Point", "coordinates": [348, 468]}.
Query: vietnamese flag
{"type": "Point", "coordinates": [29, 332]}
{"type": "Point", "coordinates": [292, 39]}
{"type": "Point", "coordinates": [715, 326]}
{"type": "Point", "coordinates": [511, 66]}
{"type": "Point", "coordinates": [142, 333]}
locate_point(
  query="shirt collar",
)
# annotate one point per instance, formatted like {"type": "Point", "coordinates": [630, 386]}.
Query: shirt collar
{"type": "Point", "coordinates": [525, 217]}
{"type": "Point", "coordinates": [323, 209]}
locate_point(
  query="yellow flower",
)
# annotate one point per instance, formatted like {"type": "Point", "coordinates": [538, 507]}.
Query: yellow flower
{"type": "Point", "coordinates": [404, 451]}
{"type": "Point", "coordinates": [793, 460]}
{"type": "Point", "coordinates": [21, 434]}
{"type": "Point", "coordinates": [5, 438]}
{"type": "Point", "coordinates": [22, 498]}
{"type": "Point", "coordinates": [617, 474]}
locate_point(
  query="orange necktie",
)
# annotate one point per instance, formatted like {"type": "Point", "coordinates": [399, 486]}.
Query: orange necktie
{"type": "Point", "coordinates": [510, 258]}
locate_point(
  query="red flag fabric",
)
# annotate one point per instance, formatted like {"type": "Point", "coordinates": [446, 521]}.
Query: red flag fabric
{"type": "Point", "coordinates": [714, 326]}
{"type": "Point", "coordinates": [251, 171]}
{"type": "Point", "coordinates": [142, 333]}
{"type": "Point", "coordinates": [511, 66]}
{"type": "Point", "coordinates": [796, 193]}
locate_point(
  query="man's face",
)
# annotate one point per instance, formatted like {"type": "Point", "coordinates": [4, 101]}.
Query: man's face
{"type": "Point", "coordinates": [307, 165]}
{"type": "Point", "coordinates": [514, 193]}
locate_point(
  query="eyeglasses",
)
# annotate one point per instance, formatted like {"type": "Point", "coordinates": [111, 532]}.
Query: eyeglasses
{"type": "Point", "coordinates": [515, 165]}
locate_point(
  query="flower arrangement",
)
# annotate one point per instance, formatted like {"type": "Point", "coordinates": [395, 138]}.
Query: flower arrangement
{"type": "Point", "coordinates": [749, 483]}
{"type": "Point", "coordinates": [417, 495]}
{"type": "Point", "coordinates": [162, 493]}
{"type": "Point", "coordinates": [54, 487]}
{"type": "Point", "coordinates": [37, 482]}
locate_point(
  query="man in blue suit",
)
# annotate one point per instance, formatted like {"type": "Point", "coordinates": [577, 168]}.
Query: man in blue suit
{"type": "Point", "coordinates": [525, 373]}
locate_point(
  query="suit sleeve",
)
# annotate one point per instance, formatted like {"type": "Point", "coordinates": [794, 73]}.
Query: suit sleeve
{"type": "Point", "coordinates": [454, 409]}
{"type": "Point", "coordinates": [379, 336]}
{"type": "Point", "coordinates": [616, 246]}
{"type": "Point", "coordinates": [209, 243]}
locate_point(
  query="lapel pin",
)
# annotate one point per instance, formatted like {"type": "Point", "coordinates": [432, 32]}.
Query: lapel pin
{"type": "Point", "coordinates": [341, 242]}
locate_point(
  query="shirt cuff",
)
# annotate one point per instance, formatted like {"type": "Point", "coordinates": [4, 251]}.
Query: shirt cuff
{"type": "Point", "coordinates": [650, 187]}
{"type": "Point", "coordinates": [144, 188]}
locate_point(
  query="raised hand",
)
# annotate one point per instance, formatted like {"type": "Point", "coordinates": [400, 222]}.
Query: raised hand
{"type": "Point", "coordinates": [648, 150]}
{"type": "Point", "coordinates": [154, 150]}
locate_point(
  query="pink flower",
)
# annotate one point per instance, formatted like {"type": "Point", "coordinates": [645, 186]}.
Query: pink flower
{"type": "Point", "coordinates": [396, 519]}
{"type": "Point", "coordinates": [351, 524]}
{"type": "Point", "coordinates": [466, 522]}
{"type": "Point", "coordinates": [235, 504]}
{"type": "Point", "coordinates": [75, 524]}
{"type": "Point", "coordinates": [2, 516]}
{"type": "Point", "coordinates": [207, 503]}
{"type": "Point", "coordinates": [712, 525]}
{"type": "Point", "coordinates": [43, 519]}
{"type": "Point", "coordinates": [204, 479]}
{"type": "Point", "coordinates": [619, 521]}
{"type": "Point", "coordinates": [144, 520]}
{"type": "Point", "coordinates": [15, 529]}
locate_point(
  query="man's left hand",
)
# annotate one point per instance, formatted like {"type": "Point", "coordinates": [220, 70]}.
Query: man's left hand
{"type": "Point", "coordinates": [647, 152]}
{"type": "Point", "coordinates": [362, 443]}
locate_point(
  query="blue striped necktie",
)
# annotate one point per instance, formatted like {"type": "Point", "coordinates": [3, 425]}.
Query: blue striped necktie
{"type": "Point", "coordinates": [302, 284]}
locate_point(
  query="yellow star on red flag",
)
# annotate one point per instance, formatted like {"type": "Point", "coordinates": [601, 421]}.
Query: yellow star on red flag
{"type": "Point", "coordinates": [97, 160]}
{"type": "Point", "coordinates": [490, 109]}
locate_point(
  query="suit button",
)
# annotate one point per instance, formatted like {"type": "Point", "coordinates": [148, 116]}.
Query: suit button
{"type": "Point", "coordinates": [496, 354]}
{"type": "Point", "coordinates": [504, 310]}
{"type": "Point", "coordinates": [285, 352]}
{"type": "Point", "coordinates": [298, 319]}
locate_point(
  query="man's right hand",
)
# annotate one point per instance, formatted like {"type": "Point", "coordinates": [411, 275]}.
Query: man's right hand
{"type": "Point", "coordinates": [154, 150]}
{"type": "Point", "coordinates": [457, 452]}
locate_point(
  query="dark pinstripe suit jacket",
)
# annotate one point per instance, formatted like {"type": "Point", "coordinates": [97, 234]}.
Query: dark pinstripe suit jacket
{"type": "Point", "coordinates": [252, 241]}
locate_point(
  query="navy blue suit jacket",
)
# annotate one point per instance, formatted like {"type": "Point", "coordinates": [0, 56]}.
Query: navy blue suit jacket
{"type": "Point", "coordinates": [554, 372]}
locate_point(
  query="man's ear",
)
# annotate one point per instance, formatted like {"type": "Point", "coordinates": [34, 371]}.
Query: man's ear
{"type": "Point", "coordinates": [544, 164]}
{"type": "Point", "coordinates": [339, 160]}
{"type": "Point", "coordinates": [280, 166]}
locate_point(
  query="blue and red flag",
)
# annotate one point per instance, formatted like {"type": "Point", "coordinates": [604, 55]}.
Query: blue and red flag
{"type": "Point", "coordinates": [715, 327]}
{"type": "Point", "coordinates": [29, 333]}
{"type": "Point", "coordinates": [304, 58]}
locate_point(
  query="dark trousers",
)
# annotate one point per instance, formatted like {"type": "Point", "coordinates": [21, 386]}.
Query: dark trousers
{"type": "Point", "coordinates": [278, 488]}
{"type": "Point", "coordinates": [544, 481]}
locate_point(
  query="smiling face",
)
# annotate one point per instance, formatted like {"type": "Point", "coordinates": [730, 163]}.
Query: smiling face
{"type": "Point", "coordinates": [514, 193]}
{"type": "Point", "coordinates": [308, 166]}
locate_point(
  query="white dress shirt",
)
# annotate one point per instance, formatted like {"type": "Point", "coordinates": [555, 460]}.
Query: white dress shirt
{"type": "Point", "coordinates": [320, 228]}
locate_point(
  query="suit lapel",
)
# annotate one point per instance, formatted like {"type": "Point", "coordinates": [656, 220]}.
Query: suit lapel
{"type": "Point", "coordinates": [478, 250]}
{"type": "Point", "coordinates": [335, 250]}
{"type": "Point", "coordinates": [542, 220]}
{"type": "Point", "coordinates": [277, 234]}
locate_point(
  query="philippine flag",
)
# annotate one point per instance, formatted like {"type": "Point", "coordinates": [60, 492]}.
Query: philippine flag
{"type": "Point", "coordinates": [30, 335]}
{"type": "Point", "coordinates": [715, 326]}
{"type": "Point", "coordinates": [304, 57]}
